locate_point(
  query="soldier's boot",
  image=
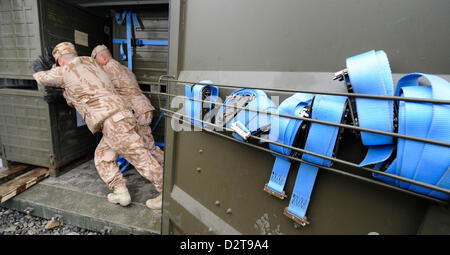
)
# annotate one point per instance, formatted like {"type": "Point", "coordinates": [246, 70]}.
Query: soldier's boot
{"type": "Point", "coordinates": [120, 196]}
{"type": "Point", "coordinates": [155, 203]}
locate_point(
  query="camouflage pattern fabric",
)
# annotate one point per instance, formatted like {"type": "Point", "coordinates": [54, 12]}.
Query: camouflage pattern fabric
{"type": "Point", "coordinates": [146, 133]}
{"type": "Point", "coordinates": [87, 87]}
{"type": "Point", "coordinates": [62, 49]}
{"type": "Point", "coordinates": [120, 137]}
{"type": "Point", "coordinates": [126, 85]}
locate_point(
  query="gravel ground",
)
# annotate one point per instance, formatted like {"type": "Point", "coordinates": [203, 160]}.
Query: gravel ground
{"type": "Point", "coordinates": [17, 223]}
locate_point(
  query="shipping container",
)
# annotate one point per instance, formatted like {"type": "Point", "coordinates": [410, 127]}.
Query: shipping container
{"type": "Point", "coordinates": [215, 185]}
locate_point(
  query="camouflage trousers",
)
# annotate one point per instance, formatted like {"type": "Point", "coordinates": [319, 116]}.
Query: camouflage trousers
{"type": "Point", "coordinates": [144, 130]}
{"type": "Point", "coordinates": [146, 133]}
{"type": "Point", "coordinates": [120, 138]}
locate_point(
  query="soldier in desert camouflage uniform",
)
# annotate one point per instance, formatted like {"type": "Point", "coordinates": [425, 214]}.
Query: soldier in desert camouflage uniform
{"type": "Point", "coordinates": [126, 85]}
{"type": "Point", "coordinates": [89, 89]}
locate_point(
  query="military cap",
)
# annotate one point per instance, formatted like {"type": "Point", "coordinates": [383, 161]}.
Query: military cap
{"type": "Point", "coordinates": [98, 49]}
{"type": "Point", "coordinates": [63, 49]}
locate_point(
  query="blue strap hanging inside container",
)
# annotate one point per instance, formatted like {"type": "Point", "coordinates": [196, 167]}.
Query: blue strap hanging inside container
{"type": "Point", "coordinates": [132, 22]}
{"type": "Point", "coordinates": [285, 130]}
{"type": "Point", "coordinates": [370, 73]}
{"type": "Point", "coordinates": [428, 163]}
{"type": "Point", "coordinates": [321, 140]}
{"type": "Point", "coordinates": [193, 108]}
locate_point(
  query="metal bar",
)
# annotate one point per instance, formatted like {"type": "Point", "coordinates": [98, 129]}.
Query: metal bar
{"type": "Point", "coordinates": [419, 139]}
{"type": "Point", "coordinates": [319, 166]}
{"type": "Point", "coordinates": [153, 42]}
{"type": "Point", "coordinates": [421, 100]}
{"type": "Point", "coordinates": [154, 83]}
{"type": "Point", "coordinates": [121, 3]}
{"type": "Point", "coordinates": [151, 69]}
{"type": "Point", "coordinates": [129, 50]}
{"type": "Point", "coordinates": [117, 40]}
{"type": "Point", "coordinates": [426, 185]}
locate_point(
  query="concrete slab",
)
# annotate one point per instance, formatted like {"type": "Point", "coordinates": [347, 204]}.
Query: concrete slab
{"type": "Point", "coordinates": [78, 197]}
{"type": "Point", "coordinates": [84, 178]}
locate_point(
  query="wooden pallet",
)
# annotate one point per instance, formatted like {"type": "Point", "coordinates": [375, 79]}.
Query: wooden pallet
{"type": "Point", "coordinates": [22, 183]}
{"type": "Point", "coordinates": [13, 171]}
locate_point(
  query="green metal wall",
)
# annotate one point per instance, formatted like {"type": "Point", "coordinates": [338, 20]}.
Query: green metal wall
{"type": "Point", "coordinates": [291, 45]}
{"type": "Point", "coordinates": [314, 36]}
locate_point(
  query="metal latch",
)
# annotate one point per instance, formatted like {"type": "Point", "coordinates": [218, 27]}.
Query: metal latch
{"type": "Point", "coordinates": [340, 76]}
{"type": "Point", "coordinates": [241, 130]}
{"type": "Point", "coordinates": [343, 76]}
{"type": "Point", "coordinates": [304, 113]}
{"type": "Point", "coordinates": [302, 221]}
{"type": "Point", "coordinates": [274, 193]}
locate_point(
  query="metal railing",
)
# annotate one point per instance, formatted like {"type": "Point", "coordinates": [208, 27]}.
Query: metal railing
{"type": "Point", "coordinates": [207, 125]}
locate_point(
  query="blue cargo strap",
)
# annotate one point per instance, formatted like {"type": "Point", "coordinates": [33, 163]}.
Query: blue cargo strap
{"type": "Point", "coordinates": [369, 73]}
{"type": "Point", "coordinates": [428, 163]}
{"type": "Point", "coordinates": [285, 130]}
{"type": "Point", "coordinates": [193, 108]}
{"type": "Point", "coordinates": [321, 140]}
{"type": "Point", "coordinates": [132, 22]}
{"type": "Point", "coordinates": [255, 122]}
{"type": "Point", "coordinates": [122, 163]}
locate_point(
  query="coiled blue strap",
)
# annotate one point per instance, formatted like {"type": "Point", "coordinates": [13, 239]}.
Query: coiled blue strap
{"type": "Point", "coordinates": [284, 130]}
{"type": "Point", "coordinates": [254, 121]}
{"type": "Point", "coordinates": [194, 108]}
{"type": "Point", "coordinates": [420, 161]}
{"type": "Point", "coordinates": [321, 139]}
{"type": "Point", "coordinates": [370, 73]}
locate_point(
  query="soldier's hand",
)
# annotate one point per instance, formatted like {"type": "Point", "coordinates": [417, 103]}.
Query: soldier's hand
{"type": "Point", "coordinates": [44, 63]}
{"type": "Point", "coordinates": [48, 57]}
{"type": "Point", "coordinates": [38, 66]}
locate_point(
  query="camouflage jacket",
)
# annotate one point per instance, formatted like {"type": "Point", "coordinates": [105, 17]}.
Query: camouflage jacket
{"type": "Point", "coordinates": [125, 83]}
{"type": "Point", "coordinates": [87, 87]}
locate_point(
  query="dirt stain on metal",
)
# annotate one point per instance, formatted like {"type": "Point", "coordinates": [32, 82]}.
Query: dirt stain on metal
{"type": "Point", "coordinates": [263, 225]}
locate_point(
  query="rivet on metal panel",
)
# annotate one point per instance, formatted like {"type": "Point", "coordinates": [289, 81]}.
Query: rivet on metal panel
{"type": "Point", "coordinates": [229, 211]}
{"type": "Point", "coordinates": [217, 203]}
{"type": "Point", "coordinates": [198, 169]}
